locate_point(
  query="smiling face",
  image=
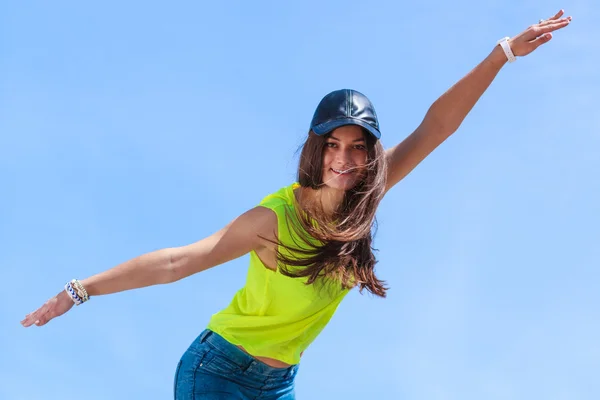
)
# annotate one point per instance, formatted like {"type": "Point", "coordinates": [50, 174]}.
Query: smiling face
{"type": "Point", "coordinates": [344, 157]}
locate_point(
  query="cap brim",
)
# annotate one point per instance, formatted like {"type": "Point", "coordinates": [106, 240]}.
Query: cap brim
{"type": "Point", "coordinates": [326, 127]}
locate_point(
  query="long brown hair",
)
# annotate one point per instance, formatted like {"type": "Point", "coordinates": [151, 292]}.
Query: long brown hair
{"type": "Point", "coordinates": [344, 251]}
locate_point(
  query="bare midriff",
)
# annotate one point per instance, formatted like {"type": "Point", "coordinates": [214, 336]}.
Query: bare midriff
{"type": "Point", "coordinates": [271, 362]}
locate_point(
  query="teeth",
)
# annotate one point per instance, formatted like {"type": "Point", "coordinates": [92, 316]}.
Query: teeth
{"type": "Point", "coordinates": [338, 171]}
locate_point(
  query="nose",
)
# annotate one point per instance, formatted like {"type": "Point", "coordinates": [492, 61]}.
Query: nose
{"type": "Point", "coordinates": [343, 157]}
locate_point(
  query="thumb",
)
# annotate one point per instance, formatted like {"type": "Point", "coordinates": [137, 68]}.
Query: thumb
{"type": "Point", "coordinates": [537, 42]}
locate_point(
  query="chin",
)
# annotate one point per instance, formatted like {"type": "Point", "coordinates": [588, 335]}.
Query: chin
{"type": "Point", "coordinates": [340, 182]}
{"type": "Point", "coordinates": [341, 188]}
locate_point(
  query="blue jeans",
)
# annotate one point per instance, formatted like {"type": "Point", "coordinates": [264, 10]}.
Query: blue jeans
{"type": "Point", "coordinates": [214, 369]}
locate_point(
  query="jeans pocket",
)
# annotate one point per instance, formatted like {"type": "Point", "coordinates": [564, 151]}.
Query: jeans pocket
{"type": "Point", "coordinates": [219, 363]}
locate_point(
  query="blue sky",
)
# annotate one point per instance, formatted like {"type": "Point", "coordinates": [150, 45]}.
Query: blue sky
{"type": "Point", "coordinates": [127, 127]}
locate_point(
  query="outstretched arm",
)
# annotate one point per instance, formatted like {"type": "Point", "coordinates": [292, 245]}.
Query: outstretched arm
{"type": "Point", "coordinates": [447, 113]}
{"type": "Point", "coordinates": [171, 264]}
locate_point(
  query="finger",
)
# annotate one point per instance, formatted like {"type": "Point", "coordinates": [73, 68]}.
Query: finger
{"type": "Point", "coordinates": [28, 322]}
{"type": "Point", "coordinates": [545, 38]}
{"type": "Point", "coordinates": [559, 14]}
{"type": "Point", "coordinates": [536, 31]}
{"type": "Point", "coordinates": [555, 25]}
{"type": "Point", "coordinates": [25, 321]}
{"type": "Point", "coordinates": [32, 318]}
{"type": "Point", "coordinates": [550, 20]}
{"type": "Point", "coordinates": [44, 319]}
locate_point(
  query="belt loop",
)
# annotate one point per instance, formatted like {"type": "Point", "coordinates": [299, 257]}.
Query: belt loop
{"type": "Point", "coordinates": [204, 335]}
{"type": "Point", "coordinates": [291, 371]}
{"type": "Point", "coordinates": [250, 367]}
{"type": "Point", "coordinates": [288, 373]}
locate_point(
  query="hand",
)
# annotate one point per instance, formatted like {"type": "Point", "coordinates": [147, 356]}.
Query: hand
{"type": "Point", "coordinates": [56, 306]}
{"type": "Point", "coordinates": [538, 34]}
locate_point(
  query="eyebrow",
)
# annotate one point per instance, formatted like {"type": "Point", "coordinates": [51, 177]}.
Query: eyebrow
{"type": "Point", "coordinates": [354, 141]}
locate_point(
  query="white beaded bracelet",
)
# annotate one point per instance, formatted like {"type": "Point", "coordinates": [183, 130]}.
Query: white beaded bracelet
{"type": "Point", "coordinates": [83, 294]}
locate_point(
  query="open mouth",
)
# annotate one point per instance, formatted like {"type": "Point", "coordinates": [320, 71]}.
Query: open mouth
{"type": "Point", "coordinates": [341, 172]}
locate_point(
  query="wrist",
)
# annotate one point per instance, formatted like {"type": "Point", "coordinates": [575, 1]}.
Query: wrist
{"type": "Point", "coordinates": [75, 290]}
{"type": "Point", "coordinates": [64, 297]}
{"type": "Point", "coordinates": [497, 57]}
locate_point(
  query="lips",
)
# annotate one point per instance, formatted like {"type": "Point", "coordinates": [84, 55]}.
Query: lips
{"type": "Point", "coordinates": [340, 172]}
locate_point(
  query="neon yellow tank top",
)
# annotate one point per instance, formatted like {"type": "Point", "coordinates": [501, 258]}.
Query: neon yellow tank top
{"type": "Point", "coordinates": [274, 315]}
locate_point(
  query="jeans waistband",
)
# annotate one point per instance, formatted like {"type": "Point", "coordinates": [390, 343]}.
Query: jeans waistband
{"type": "Point", "coordinates": [243, 359]}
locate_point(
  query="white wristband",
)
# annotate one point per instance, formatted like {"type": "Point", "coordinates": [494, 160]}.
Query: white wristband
{"type": "Point", "coordinates": [507, 50]}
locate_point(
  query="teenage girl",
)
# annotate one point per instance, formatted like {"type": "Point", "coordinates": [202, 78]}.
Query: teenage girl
{"type": "Point", "coordinates": [309, 242]}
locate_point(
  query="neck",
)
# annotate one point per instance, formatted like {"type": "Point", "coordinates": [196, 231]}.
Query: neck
{"type": "Point", "coordinates": [326, 199]}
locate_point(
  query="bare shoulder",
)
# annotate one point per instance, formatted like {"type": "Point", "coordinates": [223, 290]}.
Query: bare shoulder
{"type": "Point", "coordinates": [265, 223]}
{"type": "Point", "coordinates": [261, 220]}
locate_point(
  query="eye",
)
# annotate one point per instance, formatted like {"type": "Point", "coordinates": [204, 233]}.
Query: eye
{"type": "Point", "coordinates": [360, 147]}
{"type": "Point", "coordinates": [330, 144]}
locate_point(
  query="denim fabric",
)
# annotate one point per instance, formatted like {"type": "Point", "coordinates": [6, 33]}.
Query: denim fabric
{"type": "Point", "coordinates": [214, 369]}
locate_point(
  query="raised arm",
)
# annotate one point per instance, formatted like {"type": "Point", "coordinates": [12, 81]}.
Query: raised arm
{"type": "Point", "coordinates": [447, 113]}
{"type": "Point", "coordinates": [171, 264]}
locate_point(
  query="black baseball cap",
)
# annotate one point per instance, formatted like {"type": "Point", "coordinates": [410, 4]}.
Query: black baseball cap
{"type": "Point", "coordinates": [345, 107]}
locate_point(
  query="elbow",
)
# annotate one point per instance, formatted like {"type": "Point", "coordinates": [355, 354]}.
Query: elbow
{"type": "Point", "coordinates": [172, 266]}
{"type": "Point", "coordinates": [441, 130]}
{"type": "Point", "coordinates": [188, 260]}
{"type": "Point", "coordinates": [444, 124]}
{"type": "Point", "coordinates": [179, 264]}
